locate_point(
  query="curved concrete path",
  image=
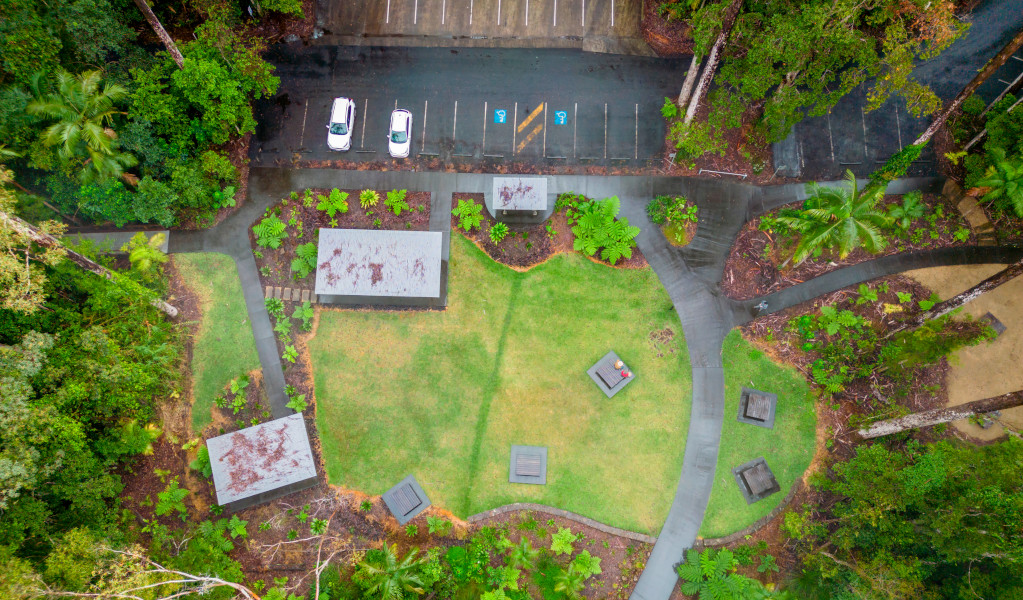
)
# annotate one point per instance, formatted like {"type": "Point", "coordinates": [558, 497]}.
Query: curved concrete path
{"type": "Point", "coordinates": [691, 276]}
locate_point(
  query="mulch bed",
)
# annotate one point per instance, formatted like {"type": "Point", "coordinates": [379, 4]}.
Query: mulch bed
{"type": "Point", "coordinates": [277, 263]}
{"type": "Point", "coordinates": [666, 38]}
{"type": "Point", "coordinates": [528, 246]}
{"type": "Point", "coordinates": [756, 253]}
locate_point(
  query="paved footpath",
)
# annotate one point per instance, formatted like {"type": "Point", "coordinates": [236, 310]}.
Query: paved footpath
{"type": "Point", "coordinates": [691, 276]}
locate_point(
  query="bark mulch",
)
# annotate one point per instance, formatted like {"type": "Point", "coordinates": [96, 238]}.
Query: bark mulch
{"type": "Point", "coordinates": [527, 246]}
{"type": "Point", "coordinates": [760, 254]}
{"type": "Point", "coordinates": [275, 265]}
{"type": "Point", "coordinates": [666, 38]}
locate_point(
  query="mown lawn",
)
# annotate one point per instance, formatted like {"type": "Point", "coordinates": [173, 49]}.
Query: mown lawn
{"type": "Point", "coordinates": [224, 346]}
{"type": "Point", "coordinates": [788, 448]}
{"type": "Point", "coordinates": [444, 395]}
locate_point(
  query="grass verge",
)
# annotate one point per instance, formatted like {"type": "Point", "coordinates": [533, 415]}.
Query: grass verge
{"type": "Point", "coordinates": [224, 346]}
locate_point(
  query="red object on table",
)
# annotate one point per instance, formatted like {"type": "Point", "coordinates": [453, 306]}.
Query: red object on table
{"type": "Point", "coordinates": [624, 373]}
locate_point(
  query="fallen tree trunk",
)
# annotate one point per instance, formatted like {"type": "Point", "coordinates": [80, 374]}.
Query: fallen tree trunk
{"type": "Point", "coordinates": [987, 71]}
{"type": "Point", "coordinates": [983, 132]}
{"type": "Point", "coordinates": [727, 22]}
{"type": "Point", "coordinates": [82, 261]}
{"type": "Point", "coordinates": [161, 33]}
{"type": "Point", "coordinates": [941, 415]}
{"type": "Point", "coordinates": [943, 308]}
{"type": "Point", "coordinates": [687, 85]}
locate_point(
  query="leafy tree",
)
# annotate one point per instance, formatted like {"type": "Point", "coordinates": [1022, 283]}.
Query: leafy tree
{"type": "Point", "coordinates": [383, 575]}
{"type": "Point", "coordinates": [84, 115]}
{"type": "Point", "coordinates": [840, 218]}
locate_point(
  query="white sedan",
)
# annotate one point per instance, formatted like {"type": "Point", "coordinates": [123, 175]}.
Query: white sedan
{"type": "Point", "coordinates": [342, 120]}
{"type": "Point", "coordinates": [399, 138]}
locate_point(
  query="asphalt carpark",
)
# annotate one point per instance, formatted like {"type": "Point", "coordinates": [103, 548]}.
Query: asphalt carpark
{"type": "Point", "coordinates": [469, 105]}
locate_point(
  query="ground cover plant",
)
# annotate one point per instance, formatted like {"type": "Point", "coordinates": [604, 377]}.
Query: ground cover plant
{"type": "Point", "coordinates": [224, 348]}
{"type": "Point", "coordinates": [676, 216]}
{"type": "Point", "coordinates": [462, 385]}
{"type": "Point", "coordinates": [788, 448]}
{"type": "Point", "coordinates": [771, 246]}
{"type": "Point", "coordinates": [284, 238]}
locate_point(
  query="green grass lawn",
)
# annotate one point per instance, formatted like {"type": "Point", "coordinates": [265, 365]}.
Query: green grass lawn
{"type": "Point", "coordinates": [444, 395]}
{"type": "Point", "coordinates": [224, 346]}
{"type": "Point", "coordinates": [788, 448]}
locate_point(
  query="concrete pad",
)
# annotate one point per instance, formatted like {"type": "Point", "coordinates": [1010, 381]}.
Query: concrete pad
{"type": "Point", "coordinates": [258, 464]}
{"type": "Point", "coordinates": [528, 465]}
{"type": "Point", "coordinates": [989, 369]}
{"type": "Point", "coordinates": [406, 500]}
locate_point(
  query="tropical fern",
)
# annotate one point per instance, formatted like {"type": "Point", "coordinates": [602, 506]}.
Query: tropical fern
{"type": "Point", "coordinates": [469, 214]}
{"type": "Point", "coordinates": [498, 231]}
{"type": "Point", "coordinates": [711, 576]}
{"type": "Point", "coordinates": [596, 227]}
{"type": "Point", "coordinates": [270, 232]}
{"type": "Point", "coordinates": [395, 201]}
{"type": "Point", "coordinates": [305, 260]}
{"type": "Point", "coordinates": [1005, 180]}
{"type": "Point", "coordinates": [336, 202]}
{"type": "Point", "coordinates": [368, 198]}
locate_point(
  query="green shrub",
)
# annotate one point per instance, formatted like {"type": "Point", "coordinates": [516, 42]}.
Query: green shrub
{"type": "Point", "coordinates": [395, 201]}
{"type": "Point", "coordinates": [171, 499]}
{"type": "Point", "coordinates": [694, 140]}
{"type": "Point", "coordinates": [275, 307]}
{"type": "Point", "coordinates": [202, 462]}
{"type": "Point", "coordinates": [597, 229]}
{"type": "Point", "coordinates": [336, 202]}
{"type": "Point", "coordinates": [498, 231]}
{"type": "Point", "coordinates": [439, 526]}
{"type": "Point", "coordinates": [561, 542]}
{"type": "Point", "coordinates": [912, 208]}
{"type": "Point", "coordinates": [305, 312]}
{"type": "Point", "coordinates": [304, 262]}
{"type": "Point", "coordinates": [670, 209]}
{"type": "Point", "coordinates": [469, 213]}
{"type": "Point", "coordinates": [368, 198]}
{"type": "Point", "coordinates": [270, 232]}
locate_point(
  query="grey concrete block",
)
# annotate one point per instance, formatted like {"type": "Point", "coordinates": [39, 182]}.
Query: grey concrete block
{"type": "Point", "coordinates": [358, 262]}
{"type": "Point", "coordinates": [406, 500]}
{"type": "Point", "coordinates": [528, 465]}
{"type": "Point", "coordinates": [609, 359]}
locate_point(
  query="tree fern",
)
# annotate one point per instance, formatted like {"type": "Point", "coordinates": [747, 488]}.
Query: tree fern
{"type": "Point", "coordinates": [270, 232]}
{"type": "Point", "coordinates": [1005, 180]}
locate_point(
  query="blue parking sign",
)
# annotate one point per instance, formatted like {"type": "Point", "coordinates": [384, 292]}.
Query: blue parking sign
{"type": "Point", "coordinates": [561, 117]}
{"type": "Point", "coordinates": [500, 116]}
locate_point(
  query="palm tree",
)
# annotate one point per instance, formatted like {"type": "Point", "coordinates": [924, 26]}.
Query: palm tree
{"type": "Point", "coordinates": [84, 115]}
{"type": "Point", "coordinates": [570, 582]}
{"type": "Point", "coordinates": [840, 218]}
{"type": "Point", "coordinates": [389, 578]}
{"type": "Point", "coordinates": [523, 556]}
{"type": "Point", "coordinates": [1005, 178]}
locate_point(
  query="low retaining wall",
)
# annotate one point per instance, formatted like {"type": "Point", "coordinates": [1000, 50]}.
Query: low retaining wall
{"type": "Point", "coordinates": [739, 535]}
{"type": "Point", "coordinates": [639, 537]}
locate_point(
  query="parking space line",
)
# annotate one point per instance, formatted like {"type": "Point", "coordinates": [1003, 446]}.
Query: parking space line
{"type": "Point", "coordinates": [422, 147]}
{"type": "Point", "coordinates": [301, 137]}
{"type": "Point", "coordinates": [498, 12]}
{"type": "Point", "coordinates": [388, 18]}
{"type": "Point", "coordinates": [831, 138]}
{"type": "Point", "coordinates": [443, 10]}
{"type": "Point", "coordinates": [415, 13]}
{"type": "Point", "coordinates": [529, 138]}
{"type": "Point", "coordinates": [365, 110]}
{"type": "Point", "coordinates": [898, 125]}
{"type": "Point", "coordinates": [515, 126]}
{"type": "Point", "coordinates": [454, 126]}
{"type": "Point", "coordinates": [527, 13]}
{"type": "Point", "coordinates": [470, 11]}
{"type": "Point", "coordinates": [863, 119]}
{"type": "Point", "coordinates": [582, 17]}
{"type": "Point", "coordinates": [575, 124]}
{"type": "Point", "coordinates": [636, 152]}
{"type": "Point", "coordinates": [605, 130]}
{"type": "Point", "coordinates": [545, 126]}
{"type": "Point", "coordinates": [612, 19]}
{"type": "Point", "coordinates": [555, 13]}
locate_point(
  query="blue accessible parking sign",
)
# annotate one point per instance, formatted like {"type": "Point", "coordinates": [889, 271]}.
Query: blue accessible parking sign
{"type": "Point", "coordinates": [561, 117]}
{"type": "Point", "coordinates": [500, 116]}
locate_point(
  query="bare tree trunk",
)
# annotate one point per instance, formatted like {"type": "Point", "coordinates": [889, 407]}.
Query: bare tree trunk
{"type": "Point", "coordinates": [989, 69]}
{"type": "Point", "coordinates": [1009, 88]}
{"type": "Point", "coordinates": [687, 85]}
{"type": "Point", "coordinates": [727, 22]}
{"type": "Point", "coordinates": [941, 415]}
{"type": "Point", "coordinates": [943, 308]}
{"type": "Point", "coordinates": [161, 33]}
{"type": "Point", "coordinates": [84, 262]}
{"type": "Point", "coordinates": [983, 132]}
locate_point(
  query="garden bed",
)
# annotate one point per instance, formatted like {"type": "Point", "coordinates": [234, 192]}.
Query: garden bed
{"type": "Point", "coordinates": [759, 252]}
{"type": "Point", "coordinates": [303, 221]}
{"type": "Point", "coordinates": [530, 245]}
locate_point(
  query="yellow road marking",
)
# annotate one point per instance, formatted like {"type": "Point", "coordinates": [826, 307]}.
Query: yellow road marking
{"type": "Point", "coordinates": [531, 116]}
{"type": "Point", "coordinates": [529, 138]}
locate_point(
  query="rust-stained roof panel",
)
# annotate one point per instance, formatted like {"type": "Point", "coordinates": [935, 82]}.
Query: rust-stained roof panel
{"type": "Point", "coordinates": [260, 459]}
{"type": "Point", "coordinates": [520, 193]}
{"type": "Point", "coordinates": [361, 262]}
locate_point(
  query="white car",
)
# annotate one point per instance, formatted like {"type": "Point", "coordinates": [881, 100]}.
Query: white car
{"type": "Point", "coordinates": [399, 138]}
{"type": "Point", "coordinates": [342, 120]}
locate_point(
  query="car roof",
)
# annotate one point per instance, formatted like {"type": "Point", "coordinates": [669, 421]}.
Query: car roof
{"type": "Point", "coordinates": [339, 112]}
{"type": "Point", "coordinates": [400, 117]}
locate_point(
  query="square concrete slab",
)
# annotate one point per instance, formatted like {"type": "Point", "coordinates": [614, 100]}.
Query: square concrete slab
{"type": "Point", "coordinates": [755, 480]}
{"type": "Point", "coordinates": [757, 407]}
{"type": "Point", "coordinates": [528, 465]}
{"type": "Point", "coordinates": [520, 193]}
{"type": "Point", "coordinates": [995, 324]}
{"type": "Point", "coordinates": [609, 378]}
{"type": "Point", "coordinates": [360, 262]}
{"type": "Point", "coordinates": [258, 464]}
{"type": "Point", "coordinates": [406, 500]}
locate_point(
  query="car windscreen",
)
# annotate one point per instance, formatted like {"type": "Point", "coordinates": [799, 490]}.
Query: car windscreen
{"type": "Point", "coordinates": [399, 137]}
{"type": "Point", "coordinates": [338, 129]}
